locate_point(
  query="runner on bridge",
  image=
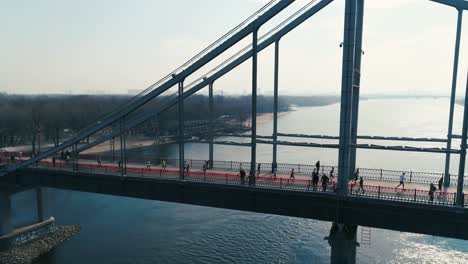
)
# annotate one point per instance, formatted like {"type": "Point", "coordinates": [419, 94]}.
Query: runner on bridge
{"type": "Point", "coordinates": [315, 179]}
{"type": "Point", "coordinates": [332, 174]}
{"type": "Point", "coordinates": [148, 165]}
{"type": "Point", "coordinates": [356, 176]}
{"type": "Point", "coordinates": [251, 177]}
{"type": "Point", "coordinates": [291, 177]}
{"type": "Point", "coordinates": [402, 181]}
{"type": "Point", "coordinates": [440, 183]}
{"type": "Point", "coordinates": [361, 185]}
{"type": "Point", "coordinates": [324, 182]}
{"type": "Point", "coordinates": [242, 176]}
{"type": "Point", "coordinates": [432, 189]}
{"type": "Point", "coordinates": [317, 165]}
{"type": "Point", "coordinates": [187, 170]}
{"type": "Point", "coordinates": [258, 169]}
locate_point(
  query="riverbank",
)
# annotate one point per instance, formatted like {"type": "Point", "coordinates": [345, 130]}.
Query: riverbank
{"type": "Point", "coordinates": [30, 251]}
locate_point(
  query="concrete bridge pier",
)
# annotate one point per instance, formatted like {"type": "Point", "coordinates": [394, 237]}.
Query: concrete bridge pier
{"type": "Point", "coordinates": [13, 236]}
{"type": "Point", "coordinates": [5, 214]}
{"type": "Point", "coordinates": [42, 205]}
{"type": "Point", "coordinates": [342, 240]}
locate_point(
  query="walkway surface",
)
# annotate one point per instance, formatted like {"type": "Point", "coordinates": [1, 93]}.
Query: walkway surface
{"type": "Point", "coordinates": [380, 189]}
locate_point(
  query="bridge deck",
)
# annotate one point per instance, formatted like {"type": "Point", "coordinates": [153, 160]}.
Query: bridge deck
{"type": "Point", "coordinates": [298, 199]}
{"type": "Point", "coordinates": [413, 192]}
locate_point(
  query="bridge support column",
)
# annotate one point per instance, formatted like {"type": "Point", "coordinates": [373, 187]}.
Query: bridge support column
{"type": "Point", "coordinates": [181, 130]}
{"type": "Point", "coordinates": [5, 214]}
{"type": "Point", "coordinates": [123, 148]}
{"type": "Point", "coordinates": [74, 157]}
{"type": "Point", "coordinates": [42, 205]}
{"type": "Point", "coordinates": [461, 168]}
{"type": "Point", "coordinates": [275, 109]}
{"type": "Point", "coordinates": [452, 98]}
{"type": "Point", "coordinates": [357, 82]}
{"type": "Point", "coordinates": [346, 96]}
{"type": "Point", "coordinates": [211, 110]}
{"type": "Point", "coordinates": [112, 147]}
{"type": "Point", "coordinates": [253, 156]}
{"type": "Point", "coordinates": [343, 243]}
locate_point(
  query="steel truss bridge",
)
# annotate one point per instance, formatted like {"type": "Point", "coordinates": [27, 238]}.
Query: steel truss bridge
{"type": "Point", "coordinates": [339, 204]}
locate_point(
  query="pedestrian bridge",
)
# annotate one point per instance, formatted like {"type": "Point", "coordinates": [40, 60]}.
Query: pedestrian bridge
{"type": "Point", "coordinates": [376, 204]}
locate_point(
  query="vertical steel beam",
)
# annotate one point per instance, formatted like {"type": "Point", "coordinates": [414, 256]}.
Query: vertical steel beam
{"type": "Point", "coordinates": [181, 130]}
{"type": "Point", "coordinates": [5, 214]}
{"type": "Point", "coordinates": [121, 158]}
{"type": "Point", "coordinates": [346, 96]}
{"type": "Point", "coordinates": [113, 149]}
{"type": "Point", "coordinates": [253, 155]}
{"type": "Point", "coordinates": [124, 136]}
{"type": "Point", "coordinates": [275, 108]}
{"type": "Point", "coordinates": [74, 157]}
{"type": "Point", "coordinates": [461, 168]}
{"type": "Point", "coordinates": [211, 116]}
{"type": "Point", "coordinates": [452, 98]}
{"type": "Point", "coordinates": [42, 205]}
{"type": "Point", "coordinates": [357, 81]}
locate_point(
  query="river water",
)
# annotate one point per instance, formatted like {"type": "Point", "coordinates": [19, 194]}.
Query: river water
{"type": "Point", "coordinates": [126, 230]}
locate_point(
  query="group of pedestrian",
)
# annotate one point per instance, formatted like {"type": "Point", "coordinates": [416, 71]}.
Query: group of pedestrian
{"type": "Point", "coordinates": [242, 175]}
{"type": "Point", "coordinates": [433, 189]}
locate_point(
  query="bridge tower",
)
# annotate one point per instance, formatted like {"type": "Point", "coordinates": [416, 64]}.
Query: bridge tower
{"type": "Point", "coordinates": [351, 68]}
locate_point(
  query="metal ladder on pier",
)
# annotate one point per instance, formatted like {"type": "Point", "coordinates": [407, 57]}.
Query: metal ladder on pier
{"type": "Point", "coordinates": [365, 236]}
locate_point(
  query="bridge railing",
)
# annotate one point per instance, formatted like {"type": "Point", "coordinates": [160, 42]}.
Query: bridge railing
{"type": "Point", "coordinates": [407, 195]}
{"type": "Point", "coordinates": [265, 181]}
{"type": "Point", "coordinates": [300, 169]}
{"type": "Point", "coordinates": [282, 168]}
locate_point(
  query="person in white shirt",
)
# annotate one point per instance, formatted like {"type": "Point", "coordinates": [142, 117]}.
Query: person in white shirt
{"type": "Point", "coordinates": [402, 181]}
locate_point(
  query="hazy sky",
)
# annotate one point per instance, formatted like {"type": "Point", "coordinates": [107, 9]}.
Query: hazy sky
{"type": "Point", "coordinates": [113, 46]}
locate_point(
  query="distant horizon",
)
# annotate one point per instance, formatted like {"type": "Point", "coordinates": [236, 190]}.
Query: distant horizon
{"type": "Point", "coordinates": [229, 94]}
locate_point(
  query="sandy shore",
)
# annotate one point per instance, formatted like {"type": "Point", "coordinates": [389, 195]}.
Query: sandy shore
{"type": "Point", "coordinates": [263, 118]}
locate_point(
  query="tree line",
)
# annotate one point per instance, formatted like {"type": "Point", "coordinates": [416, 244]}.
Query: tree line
{"type": "Point", "coordinates": [25, 119]}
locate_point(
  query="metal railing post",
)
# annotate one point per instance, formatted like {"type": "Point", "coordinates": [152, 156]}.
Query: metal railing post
{"type": "Point", "coordinates": [410, 176]}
